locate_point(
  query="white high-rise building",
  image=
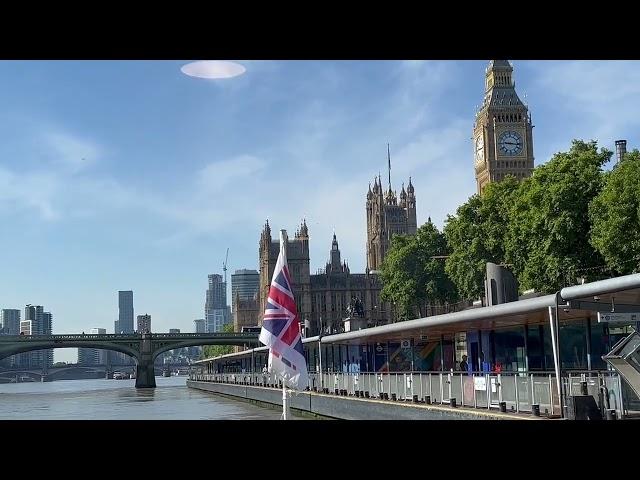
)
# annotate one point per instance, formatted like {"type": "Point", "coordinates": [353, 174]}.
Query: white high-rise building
{"type": "Point", "coordinates": [144, 323]}
{"type": "Point", "coordinates": [36, 322]}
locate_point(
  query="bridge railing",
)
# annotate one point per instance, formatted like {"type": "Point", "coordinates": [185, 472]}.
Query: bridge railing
{"type": "Point", "coordinates": [516, 392]}
{"type": "Point", "coordinates": [125, 336]}
{"type": "Point", "coordinates": [241, 335]}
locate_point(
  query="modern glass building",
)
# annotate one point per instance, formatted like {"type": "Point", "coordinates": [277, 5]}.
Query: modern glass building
{"type": "Point", "coordinates": [245, 283]}
{"type": "Point", "coordinates": [125, 311]}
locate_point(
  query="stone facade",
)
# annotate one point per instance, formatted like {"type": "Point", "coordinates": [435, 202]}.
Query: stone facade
{"type": "Point", "coordinates": [323, 298]}
{"type": "Point", "coordinates": [502, 132]}
{"type": "Point", "coordinates": [245, 312]}
{"type": "Point", "coordinates": [297, 261]}
{"type": "Point", "coordinates": [386, 217]}
{"type": "Point", "coordinates": [335, 287]}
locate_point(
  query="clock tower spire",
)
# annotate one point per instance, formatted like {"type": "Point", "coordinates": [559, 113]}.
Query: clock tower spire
{"type": "Point", "coordinates": [502, 132]}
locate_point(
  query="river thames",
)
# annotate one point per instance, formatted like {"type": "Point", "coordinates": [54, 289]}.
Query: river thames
{"type": "Point", "coordinates": [120, 400]}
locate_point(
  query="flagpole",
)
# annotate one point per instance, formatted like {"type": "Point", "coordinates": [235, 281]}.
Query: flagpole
{"type": "Point", "coordinates": [285, 400]}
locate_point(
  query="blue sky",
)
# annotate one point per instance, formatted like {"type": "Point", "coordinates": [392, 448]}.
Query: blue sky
{"type": "Point", "coordinates": [118, 175]}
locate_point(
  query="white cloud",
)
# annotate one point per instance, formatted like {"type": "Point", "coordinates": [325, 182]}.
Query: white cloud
{"type": "Point", "coordinates": [218, 174]}
{"type": "Point", "coordinates": [31, 191]}
{"type": "Point", "coordinates": [602, 96]}
{"type": "Point", "coordinates": [329, 159]}
{"type": "Point", "coordinates": [72, 152]}
{"type": "Point", "coordinates": [213, 69]}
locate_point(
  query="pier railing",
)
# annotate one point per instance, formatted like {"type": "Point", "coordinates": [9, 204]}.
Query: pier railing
{"type": "Point", "coordinates": [518, 392]}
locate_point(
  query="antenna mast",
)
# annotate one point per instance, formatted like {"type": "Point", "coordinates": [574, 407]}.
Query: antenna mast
{"type": "Point", "coordinates": [389, 159]}
{"type": "Point", "coordinates": [224, 266]}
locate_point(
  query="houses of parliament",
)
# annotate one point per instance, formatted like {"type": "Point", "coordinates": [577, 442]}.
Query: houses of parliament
{"type": "Point", "coordinates": [503, 145]}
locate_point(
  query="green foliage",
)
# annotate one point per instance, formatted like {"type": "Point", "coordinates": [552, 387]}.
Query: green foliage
{"type": "Point", "coordinates": [615, 217]}
{"type": "Point", "coordinates": [216, 350]}
{"type": "Point", "coordinates": [412, 279]}
{"type": "Point", "coordinates": [548, 235]}
{"type": "Point", "coordinates": [476, 235]}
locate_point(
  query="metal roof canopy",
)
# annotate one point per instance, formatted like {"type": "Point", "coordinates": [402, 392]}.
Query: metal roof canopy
{"type": "Point", "coordinates": [264, 348]}
{"type": "Point", "coordinates": [582, 301]}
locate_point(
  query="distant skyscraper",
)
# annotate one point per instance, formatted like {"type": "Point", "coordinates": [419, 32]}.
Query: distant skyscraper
{"type": "Point", "coordinates": [174, 330]}
{"type": "Point", "coordinates": [25, 360]}
{"type": "Point", "coordinates": [125, 311]}
{"type": "Point", "coordinates": [10, 322]}
{"type": "Point", "coordinates": [144, 323]}
{"type": "Point", "coordinates": [93, 356]}
{"type": "Point", "coordinates": [216, 310]}
{"type": "Point", "coordinates": [245, 283]}
{"type": "Point", "coordinates": [36, 322]}
{"type": "Point", "coordinates": [199, 325]}
{"type": "Point", "coordinates": [26, 327]}
{"type": "Point", "coordinates": [86, 356]}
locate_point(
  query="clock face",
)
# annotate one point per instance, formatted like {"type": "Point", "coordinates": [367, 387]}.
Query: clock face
{"type": "Point", "coordinates": [510, 143]}
{"type": "Point", "coordinates": [479, 149]}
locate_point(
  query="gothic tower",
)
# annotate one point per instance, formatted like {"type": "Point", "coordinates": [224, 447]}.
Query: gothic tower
{"type": "Point", "coordinates": [502, 132]}
{"type": "Point", "coordinates": [298, 264]}
{"type": "Point", "coordinates": [386, 216]}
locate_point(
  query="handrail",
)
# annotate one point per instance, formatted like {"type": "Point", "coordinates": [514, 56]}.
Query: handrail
{"type": "Point", "coordinates": [517, 392]}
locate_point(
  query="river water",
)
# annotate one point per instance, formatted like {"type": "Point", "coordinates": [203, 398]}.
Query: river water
{"type": "Point", "coordinates": [120, 400]}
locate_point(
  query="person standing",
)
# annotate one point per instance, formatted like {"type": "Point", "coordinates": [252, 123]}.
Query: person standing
{"type": "Point", "coordinates": [464, 366]}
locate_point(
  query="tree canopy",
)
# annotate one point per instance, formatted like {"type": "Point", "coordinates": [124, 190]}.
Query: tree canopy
{"type": "Point", "coordinates": [568, 220]}
{"type": "Point", "coordinates": [547, 239]}
{"type": "Point", "coordinates": [476, 235]}
{"type": "Point", "coordinates": [412, 277]}
{"type": "Point", "coordinates": [216, 350]}
{"type": "Point", "coordinates": [615, 217]}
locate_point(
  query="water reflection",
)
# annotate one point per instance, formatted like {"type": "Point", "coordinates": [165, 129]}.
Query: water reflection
{"type": "Point", "coordinates": [119, 399]}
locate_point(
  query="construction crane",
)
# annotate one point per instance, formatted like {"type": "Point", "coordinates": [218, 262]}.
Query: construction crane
{"type": "Point", "coordinates": [224, 266]}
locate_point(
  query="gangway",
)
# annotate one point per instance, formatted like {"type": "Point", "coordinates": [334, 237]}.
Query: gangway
{"type": "Point", "coordinates": [625, 359]}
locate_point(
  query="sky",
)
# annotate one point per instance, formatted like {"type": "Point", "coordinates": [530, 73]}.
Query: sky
{"type": "Point", "coordinates": [132, 175]}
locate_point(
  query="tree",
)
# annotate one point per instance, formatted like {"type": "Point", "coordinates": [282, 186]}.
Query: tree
{"type": "Point", "coordinates": [548, 235]}
{"type": "Point", "coordinates": [216, 350]}
{"type": "Point", "coordinates": [476, 235]}
{"type": "Point", "coordinates": [615, 217]}
{"type": "Point", "coordinates": [412, 278]}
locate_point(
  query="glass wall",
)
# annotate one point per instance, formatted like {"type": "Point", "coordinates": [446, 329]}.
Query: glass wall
{"type": "Point", "coordinates": [461, 349]}
{"type": "Point", "coordinates": [509, 350]}
{"type": "Point", "coordinates": [599, 344]}
{"type": "Point", "coordinates": [399, 357]}
{"type": "Point", "coordinates": [448, 352]}
{"type": "Point", "coordinates": [380, 357]}
{"type": "Point", "coordinates": [426, 356]}
{"type": "Point", "coordinates": [547, 347]}
{"type": "Point", "coordinates": [573, 344]}
{"type": "Point", "coordinates": [535, 347]}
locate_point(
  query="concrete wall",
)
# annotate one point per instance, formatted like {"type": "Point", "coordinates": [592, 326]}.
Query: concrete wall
{"type": "Point", "coordinates": [352, 408]}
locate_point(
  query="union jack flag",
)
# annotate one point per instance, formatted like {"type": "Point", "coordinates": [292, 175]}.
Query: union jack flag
{"type": "Point", "coordinates": [281, 326]}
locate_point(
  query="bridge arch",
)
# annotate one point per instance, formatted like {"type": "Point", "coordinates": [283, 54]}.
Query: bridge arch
{"type": "Point", "coordinates": [143, 348]}
{"type": "Point", "coordinates": [7, 351]}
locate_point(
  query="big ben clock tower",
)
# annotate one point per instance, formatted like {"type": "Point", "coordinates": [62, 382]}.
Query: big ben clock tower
{"type": "Point", "coordinates": [502, 133]}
